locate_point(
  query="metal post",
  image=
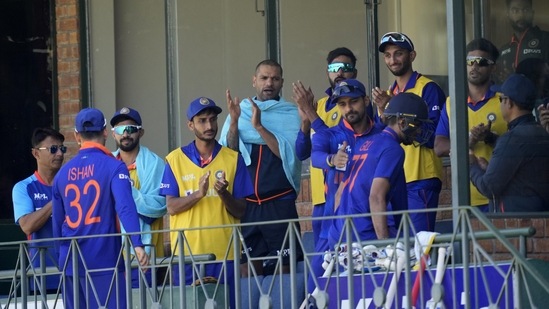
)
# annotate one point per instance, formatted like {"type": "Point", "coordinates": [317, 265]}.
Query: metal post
{"type": "Point", "coordinates": [23, 272]}
{"type": "Point", "coordinates": [350, 268]}
{"type": "Point", "coordinates": [237, 245]}
{"type": "Point", "coordinates": [458, 109]}
{"type": "Point", "coordinates": [293, 264]}
{"type": "Point", "coordinates": [128, 272]}
{"type": "Point", "coordinates": [172, 72]}
{"type": "Point", "coordinates": [371, 42]}
{"type": "Point", "coordinates": [44, 292]}
{"type": "Point", "coordinates": [272, 28]}
{"type": "Point", "coordinates": [181, 269]}
{"type": "Point", "coordinates": [75, 284]}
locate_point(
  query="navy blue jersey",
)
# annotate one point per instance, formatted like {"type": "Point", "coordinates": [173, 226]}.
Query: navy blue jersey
{"type": "Point", "coordinates": [381, 156]}
{"type": "Point", "coordinates": [326, 143]}
{"type": "Point", "coordinates": [90, 193]}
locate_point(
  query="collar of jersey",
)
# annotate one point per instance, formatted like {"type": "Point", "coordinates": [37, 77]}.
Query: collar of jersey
{"type": "Point", "coordinates": [89, 145]}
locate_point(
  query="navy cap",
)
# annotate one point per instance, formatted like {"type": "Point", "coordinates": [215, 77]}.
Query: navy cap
{"type": "Point", "coordinates": [348, 88]}
{"type": "Point", "coordinates": [200, 104]}
{"type": "Point", "coordinates": [126, 113]}
{"type": "Point", "coordinates": [90, 120]}
{"type": "Point", "coordinates": [407, 104]}
{"type": "Point", "coordinates": [396, 38]}
{"type": "Point", "coordinates": [518, 88]}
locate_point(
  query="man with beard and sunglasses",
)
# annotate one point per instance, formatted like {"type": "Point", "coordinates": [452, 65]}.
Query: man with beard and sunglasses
{"type": "Point", "coordinates": [318, 116]}
{"type": "Point", "coordinates": [527, 40]}
{"type": "Point", "coordinates": [32, 198]}
{"type": "Point", "coordinates": [484, 114]}
{"type": "Point", "coordinates": [205, 185]}
{"type": "Point", "coordinates": [423, 168]}
{"type": "Point", "coordinates": [375, 181]}
{"type": "Point", "coordinates": [145, 168]}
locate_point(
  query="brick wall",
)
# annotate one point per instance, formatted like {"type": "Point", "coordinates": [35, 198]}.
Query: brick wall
{"type": "Point", "coordinates": [68, 68]}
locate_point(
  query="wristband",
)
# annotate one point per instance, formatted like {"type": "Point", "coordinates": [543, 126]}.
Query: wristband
{"type": "Point", "coordinates": [329, 160]}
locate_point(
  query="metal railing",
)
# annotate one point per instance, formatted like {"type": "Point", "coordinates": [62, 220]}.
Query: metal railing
{"type": "Point", "coordinates": [471, 276]}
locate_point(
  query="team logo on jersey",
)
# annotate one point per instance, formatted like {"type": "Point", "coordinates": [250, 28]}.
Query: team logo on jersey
{"type": "Point", "coordinates": [125, 110]}
{"type": "Point", "coordinates": [188, 177]}
{"type": "Point", "coordinates": [533, 43]}
{"type": "Point", "coordinates": [204, 101]}
{"type": "Point", "coordinates": [491, 117]}
{"type": "Point", "coordinates": [164, 185]}
{"type": "Point", "coordinates": [366, 146]}
{"type": "Point", "coordinates": [40, 197]}
{"type": "Point", "coordinates": [218, 174]}
{"type": "Point", "coordinates": [334, 116]}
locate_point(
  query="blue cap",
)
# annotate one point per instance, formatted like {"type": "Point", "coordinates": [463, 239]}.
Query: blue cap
{"type": "Point", "coordinates": [348, 88]}
{"type": "Point", "coordinates": [90, 120]}
{"type": "Point", "coordinates": [126, 113]}
{"type": "Point", "coordinates": [520, 89]}
{"type": "Point", "coordinates": [396, 38]}
{"type": "Point", "coordinates": [200, 104]}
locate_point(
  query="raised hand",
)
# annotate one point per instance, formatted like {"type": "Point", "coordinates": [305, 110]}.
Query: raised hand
{"type": "Point", "coordinates": [203, 184]}
{"type": "Point", "coordinates": [380, 99]}
{"type": "Point", "coordinates": [304, 98]}
{"type": "Point", "coordinates": [234, 105]}
{"type": "Point", "coordinates": [256, 115]}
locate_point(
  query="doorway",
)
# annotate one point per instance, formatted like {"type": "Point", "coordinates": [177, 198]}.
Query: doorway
{"type": "Point", "coordinates": [26, 88]}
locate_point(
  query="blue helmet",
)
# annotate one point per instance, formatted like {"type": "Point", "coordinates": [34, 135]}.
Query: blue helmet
{"type": "Point", "coordinates": [413, 109]}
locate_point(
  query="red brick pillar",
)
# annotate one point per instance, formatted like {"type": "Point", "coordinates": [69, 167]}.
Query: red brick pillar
{"type": "Point", "coordinates": [68, 67]}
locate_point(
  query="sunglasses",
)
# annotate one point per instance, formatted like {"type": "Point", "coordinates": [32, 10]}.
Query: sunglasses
{"type": "Point", "coordinates": [336, 66]}
{"type": "Point", "coordinates": [481, 61]}
{"type": "Point", "coordinates": [343, 89]}
{"type": "Point", "coordinates": [53, 148]}
{"type": "Point", "coordinates": [130, 129]}
{"type": "Point", "coordinates": [393, 37]}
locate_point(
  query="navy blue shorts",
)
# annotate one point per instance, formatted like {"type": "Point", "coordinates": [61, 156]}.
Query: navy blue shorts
{"type": "Point", "coordinates": [268, 239]}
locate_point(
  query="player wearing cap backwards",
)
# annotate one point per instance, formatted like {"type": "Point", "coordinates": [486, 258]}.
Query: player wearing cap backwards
{"type": "Point", "coordinates": [375, 181]}
{"type": "Point", "coordinates": [333, 147]}
{"type": "Point", "coordinates": [205, 185]}
{"type": "Point", "coordinates": [146, 169]}
{"type": "Point", "coordinates": [483, 112]}
{"type": "Point", "coordinates": [517, 176]}
{"type": "Point", "coordinates": [423, 168]}
{"type": "Point", "coordinates": [91, 193]}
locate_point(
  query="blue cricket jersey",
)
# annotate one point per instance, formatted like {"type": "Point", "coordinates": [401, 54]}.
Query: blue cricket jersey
{"type": "Point", "coordinates": [380, 156]}
{"type": "Point", "coordinates": [91, 193]}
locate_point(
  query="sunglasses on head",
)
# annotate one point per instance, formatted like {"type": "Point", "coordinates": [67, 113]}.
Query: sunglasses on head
{"type": "Point", "coordinates": [131, 129]}
{"type": "Point", "coordinates": [336, 66]}
{"type": "Point", "coordinates": [393, 37]}
{"type": "Point", "coordinates": [53, 148]}
{"type": "Point", "coordinates": [481, 61]}
{"type": "Point", "coordinates": [342, 90]}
